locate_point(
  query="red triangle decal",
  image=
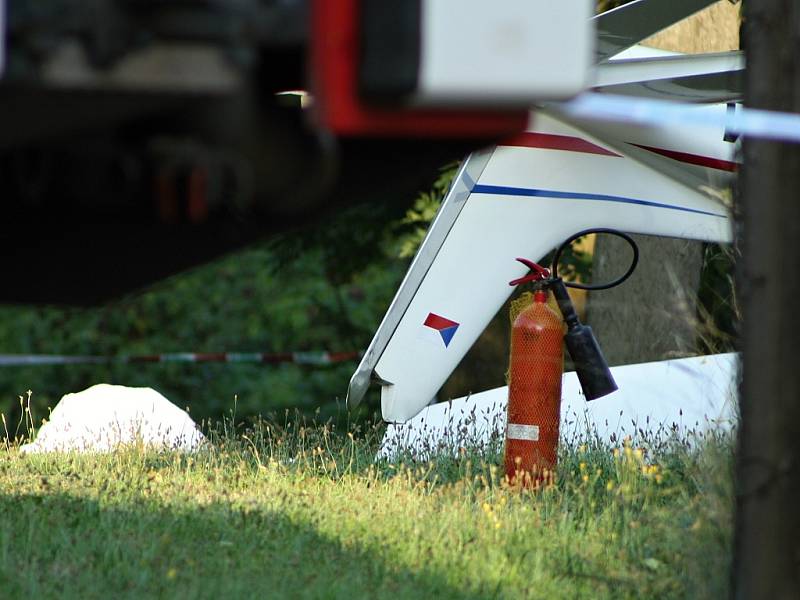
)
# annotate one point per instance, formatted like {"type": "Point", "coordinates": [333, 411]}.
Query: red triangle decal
{"type": "Point", "coordinates": [434, 321]}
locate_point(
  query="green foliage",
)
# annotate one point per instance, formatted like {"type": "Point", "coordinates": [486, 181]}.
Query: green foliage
{"type": "Point", "coordinates": [345, 243]}
{"type": "Point", "coordinates": [239, 303]}
{"type": "Point", "coordinates": [295, 510]}
{"type": "Point", "coordinates": [574, 264]}
{"type": "Point", "coordinates": [718, 311]}
{"type": "Point", "coordinates": [414, 225]}
{"type": "Point", "coordinates": [322, 288]}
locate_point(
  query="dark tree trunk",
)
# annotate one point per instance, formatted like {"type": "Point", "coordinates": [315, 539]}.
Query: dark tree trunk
{"type": "Point", "coordinates": [767, 553]}
{"type": "Point", "coordinates": [653, 315]}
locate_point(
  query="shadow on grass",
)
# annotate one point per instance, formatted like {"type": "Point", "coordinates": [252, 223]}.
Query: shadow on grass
{"type": "Point", "coordinates": [60, 546]}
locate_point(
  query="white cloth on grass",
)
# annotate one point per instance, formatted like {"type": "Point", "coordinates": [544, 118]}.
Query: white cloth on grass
{"type": "Point", "coordinates": [104, 417]}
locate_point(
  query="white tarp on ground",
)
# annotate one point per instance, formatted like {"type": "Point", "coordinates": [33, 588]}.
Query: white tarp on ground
{"type": "Point", "coordinates": [682, 396]}
{"type": "Point", "coordinates": [104, 417]}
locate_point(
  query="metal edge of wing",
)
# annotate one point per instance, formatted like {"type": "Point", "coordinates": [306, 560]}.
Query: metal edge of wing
{"type": "Point", "coordinates": [453, 203]}
{"type": "Point", "coordinates": [706, 78]}
{"type": "Point", "coordinates": [708, 88]}
{"type": "Point", "coordinates": [629, 24]}
{"type": "Point", "coordinates": [632, 70]}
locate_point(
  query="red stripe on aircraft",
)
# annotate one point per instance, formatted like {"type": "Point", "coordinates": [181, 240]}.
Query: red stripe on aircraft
{"type": "Point", "coordinates": [551, 141]}
{"type": "Point", "coordinates": [693, 159]}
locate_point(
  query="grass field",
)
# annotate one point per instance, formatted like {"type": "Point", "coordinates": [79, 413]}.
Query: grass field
{"type": "Point", "coordinates": [303, 512]}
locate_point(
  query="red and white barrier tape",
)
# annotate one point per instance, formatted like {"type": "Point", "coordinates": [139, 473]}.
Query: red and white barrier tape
{"type": "Point", "coordinates": [298, 358]}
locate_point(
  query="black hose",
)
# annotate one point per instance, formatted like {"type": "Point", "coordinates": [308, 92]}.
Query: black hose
{"type": "Point", "coordinates": [604, 286]}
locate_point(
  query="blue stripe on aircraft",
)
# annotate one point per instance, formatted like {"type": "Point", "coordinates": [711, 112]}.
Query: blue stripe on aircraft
{"type": "Point", "coordinates": [502, 190]}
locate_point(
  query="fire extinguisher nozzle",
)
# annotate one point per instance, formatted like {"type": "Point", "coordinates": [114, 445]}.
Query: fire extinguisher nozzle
{"type": "Point", "coordinates": [590, 365]}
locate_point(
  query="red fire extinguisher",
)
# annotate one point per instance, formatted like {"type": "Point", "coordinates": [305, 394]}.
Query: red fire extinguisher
{"type": "Point", "coordinates": [534, 392]}
{"type": "Point", "coordinates": [536, 366]}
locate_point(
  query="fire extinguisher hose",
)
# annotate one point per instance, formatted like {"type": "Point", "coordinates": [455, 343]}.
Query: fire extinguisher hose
{"type": "Point", "coordinates": [601, 286]}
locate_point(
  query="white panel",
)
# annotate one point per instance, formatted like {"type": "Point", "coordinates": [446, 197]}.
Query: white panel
{"type": "Point", "coordinates": [508, 52]}
{"type": "Point", "coordinates": [684, 395]}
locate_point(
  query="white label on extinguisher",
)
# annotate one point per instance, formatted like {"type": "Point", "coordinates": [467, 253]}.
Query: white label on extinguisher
{"type": "Point", "coordinates": [528, 433]}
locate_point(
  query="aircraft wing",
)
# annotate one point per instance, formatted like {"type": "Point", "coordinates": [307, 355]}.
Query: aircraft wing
{"type": "Point", "coordinates": [706, 78]}
{"type": "Point", "coordinates": [520, 198]}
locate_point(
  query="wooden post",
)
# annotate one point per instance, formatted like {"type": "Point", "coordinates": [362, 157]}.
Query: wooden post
{"type": "Point", "coordinates": [767, 546]}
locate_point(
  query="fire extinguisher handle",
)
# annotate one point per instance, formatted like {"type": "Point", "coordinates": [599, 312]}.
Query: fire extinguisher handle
{"type": "Point", "coordinates": [538, 272]}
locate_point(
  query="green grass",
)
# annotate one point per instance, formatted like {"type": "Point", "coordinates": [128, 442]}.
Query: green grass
{"type": "Point", "coordinates": [303, 512]}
